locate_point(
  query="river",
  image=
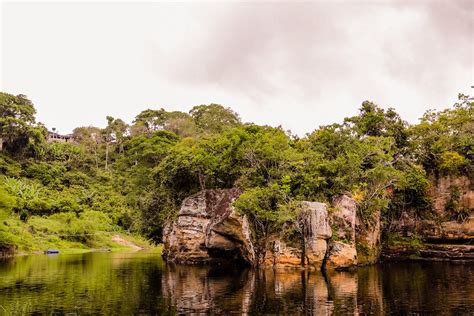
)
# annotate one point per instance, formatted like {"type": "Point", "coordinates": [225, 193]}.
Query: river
{"type": "Point", "coordinates": [141, 283]}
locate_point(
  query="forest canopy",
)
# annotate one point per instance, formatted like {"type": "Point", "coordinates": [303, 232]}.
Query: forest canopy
{"type": "Point", "coordinates": [133, 176]}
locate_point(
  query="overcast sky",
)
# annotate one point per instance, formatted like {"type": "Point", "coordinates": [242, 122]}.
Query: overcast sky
{"type": "Point", "coordinates": [299, 65]}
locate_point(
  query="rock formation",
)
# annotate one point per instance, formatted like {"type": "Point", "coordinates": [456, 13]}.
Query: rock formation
{"type": "Point", "coordinates": [208, 229]}
{"type": "Point", "coordinates": [316, 232]}
{"type": "Point", "coordinates": [444, 189]}
{"type": "Point", "coordinates": [368, 239]}
{"type": "Point", "coordinates": [311, 245]}
{"type": "Point", "coordinates": [446, 231]}
{"type": "Point", "coordinates": [342, 248]}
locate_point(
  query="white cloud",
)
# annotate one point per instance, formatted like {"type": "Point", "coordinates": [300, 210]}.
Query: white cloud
{"type": "Point", "coordinates": [299, 65]}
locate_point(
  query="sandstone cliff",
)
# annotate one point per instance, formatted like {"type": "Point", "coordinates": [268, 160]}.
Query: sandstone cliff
{"type": "Point", "coordinates": [446, 231]}
{"type": "Point", "coordinates": [342, 249]}
{"type": "Point", "coordinates": [208, 229]}
{"type": "Point", "coordinates": [310, 247]}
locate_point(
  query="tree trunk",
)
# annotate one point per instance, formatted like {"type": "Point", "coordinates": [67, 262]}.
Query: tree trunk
{"type": "Point", "coordinates": [202, 182]}
{"type": "Point", "coordinates": [106, 155]}
{"type": "Point", "coordinates": [96, 159]}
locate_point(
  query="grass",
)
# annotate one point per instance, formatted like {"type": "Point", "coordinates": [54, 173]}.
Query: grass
{"type": "Point", "coordinates": [66, 232]}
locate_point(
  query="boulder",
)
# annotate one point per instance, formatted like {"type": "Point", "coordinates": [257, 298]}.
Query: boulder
{"type": "Point", "coordinates": [208, 229]}
{"type": "Point", "coordinates": [340, 255]}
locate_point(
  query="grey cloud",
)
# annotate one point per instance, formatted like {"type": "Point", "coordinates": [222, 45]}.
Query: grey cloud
{"type": "Point", "coordinates": [244, 48]}
{"type": "Point", "coordinates": [298, 64]}
{"type": "Point", "coordinates": [429, 56]}
{"type": "Point", "coordinates": [312, 44]}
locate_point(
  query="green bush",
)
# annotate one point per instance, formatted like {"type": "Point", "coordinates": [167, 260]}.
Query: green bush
{"type": "Point", "coordinates": [49, 174]}
{"type": "Point", "coordinates": [452, 162]}
{"type": "Point", "coordinates": [7, 201]}
{"type": "Point", "coordinates": [9, 167]}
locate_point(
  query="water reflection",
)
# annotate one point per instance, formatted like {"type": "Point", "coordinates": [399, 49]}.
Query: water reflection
{"type": "Point", "coordinates": [126, 283]}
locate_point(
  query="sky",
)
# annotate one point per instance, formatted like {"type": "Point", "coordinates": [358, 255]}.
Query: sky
{"type": "Point", "coordinates": [295, 64]}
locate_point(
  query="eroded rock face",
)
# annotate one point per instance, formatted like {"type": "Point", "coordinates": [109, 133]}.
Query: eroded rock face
{"type": "Point", "coordinates": [457, 191]}
{"type": "Point", "coordinates": [316, 244]}
{"type": "Point", "coordinates": [208, 229]}
{"type": "Point", "coordinates": [283, 255]}
{"type": "Point", "coordinates": [368, 235]}
{"type": "Point", "coordinates": [342, 247]}
{"type": "Point", "coordinates": [316, 232]}
{"type": "Point", "coordinates": [341, 255]}
{"type": "Point", "coordinates": [309, 249]}
{"type": "Point", "coordinates": [446, 231]}
{"type": "Point", "coordinates": [442, 189]}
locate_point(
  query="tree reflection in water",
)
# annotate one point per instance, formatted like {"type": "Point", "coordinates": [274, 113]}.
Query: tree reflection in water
{"type": "Point", "coordinates": [131, 283]}
{"type": "Point", "coordinates": [380, 289]}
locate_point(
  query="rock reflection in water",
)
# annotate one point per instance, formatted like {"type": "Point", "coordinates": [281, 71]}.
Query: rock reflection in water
{"type": "Point", "coordinates": [375, 290]}
{"type": "Point", "coordinates": [224, 289]}
{"type": "Point", "coordinates": [140, 283]}
{"type": "Point", "coordinates": [203, 288]}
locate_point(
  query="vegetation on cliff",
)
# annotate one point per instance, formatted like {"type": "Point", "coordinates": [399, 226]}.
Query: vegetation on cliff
{"type": "Point", "coordinates": [133, 177]}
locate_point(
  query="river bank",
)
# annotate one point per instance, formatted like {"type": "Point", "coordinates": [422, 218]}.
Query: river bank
{"type": "Point", "coordinates": [19, 238]}
{"type": "Point", "coordinates": [120, 244]}
{"type": "Point", "coordinates": [66, 232]}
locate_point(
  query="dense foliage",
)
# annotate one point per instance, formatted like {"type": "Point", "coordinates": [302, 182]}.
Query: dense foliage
{"type": "Point", "coordinates": [134, 177]}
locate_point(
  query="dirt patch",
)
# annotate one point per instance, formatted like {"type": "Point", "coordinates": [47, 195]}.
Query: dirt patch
{"type": "Point", "coordinates": [119, 240]}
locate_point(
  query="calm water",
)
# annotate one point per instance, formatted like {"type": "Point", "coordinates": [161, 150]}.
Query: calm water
{"type": "Point", "coordinates": [140, 283]}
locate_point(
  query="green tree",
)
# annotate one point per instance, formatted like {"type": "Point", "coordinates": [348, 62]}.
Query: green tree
{"type": "Point", "coordinates": [443, 140]}
{"type": "Point", "coordinates": [266, 211]}
{"type": "Point", "coordinates": [149, 121]}
{"type": "Point", "coordinates": [375, 121]}
{"type": "Point", "coordinates": [180, 123]}
{"type": "Point", "coordinates": [214, 118]}
{"type": "Point", "coordinates": [113, 133]}
{"type": "Point", "coordinates": [90, 138]}
{"type": "Point", "coordinates": [19, 132]}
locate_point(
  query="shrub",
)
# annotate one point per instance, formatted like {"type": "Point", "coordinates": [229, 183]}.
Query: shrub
{"type": "Point", "coordinates": [47, 173]}
{"type": "Point", "coordinates": [9, 167]}
{"type": "Point", "coordinates": [452, 162]}
{"type": "Point", "coordinates": [7, 201]}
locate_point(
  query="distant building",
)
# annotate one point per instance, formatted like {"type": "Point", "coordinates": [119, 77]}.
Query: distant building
{"type": "Point", "coordinates": [56, 137]}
